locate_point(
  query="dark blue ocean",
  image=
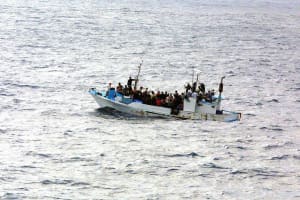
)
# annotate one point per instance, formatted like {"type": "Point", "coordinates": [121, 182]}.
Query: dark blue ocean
{"type": "Point", "coordinates": [56, 144]}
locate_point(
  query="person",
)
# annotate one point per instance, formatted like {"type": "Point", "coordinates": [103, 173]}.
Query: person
{"type": "Point", "coordinates": [170, 101]}
{"type": "Point", "coordinates": [177, 99]}
{"type": "Point", "coordinates": [189, 93]}
{"type": "Point", "coordinates": [135, 94]}
{"type": "Point", "coordinates": [202, 88]}
{"type": "Point", "coordinates": [158, 98]}
{"type": "Point", "coordinates": [126, 91]}
{"type": "Point", "coordinates": [153, 98]}
{"type": "Point", "coordinates": [129, 82]}
{"type": "Point", "coordinates": [139, 93]}
{"type": "Point", "coordinates": [194, 86]}
{"type": "Point", "coordinates": [187, 88]}
{"type": "Point", "coordinates": [208, 96]}
{"type": "Point", "coordinates": [212, 93]}
{"type": "Point", "coordinates": [176, 94]}
{"type": "Point", "coordinates": [120, 88]}
{"type": "Point", "coordinates": [145, 95]}
{"type": "Point", "coordinates": [109, 86]}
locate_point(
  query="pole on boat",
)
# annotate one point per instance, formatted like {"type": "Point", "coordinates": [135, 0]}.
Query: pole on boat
{"type": "Point", "coordinates": [197, 80]}
{"type": "Point", "coordinates": [220, 95]}
{"type": "Point", "coordinates": [137, 77]}
{"type": "Point", "coordinates": [193, 75]}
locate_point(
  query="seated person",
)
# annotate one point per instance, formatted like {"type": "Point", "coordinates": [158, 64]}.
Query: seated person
{"type": "Point", "coordinates": [120, 88]}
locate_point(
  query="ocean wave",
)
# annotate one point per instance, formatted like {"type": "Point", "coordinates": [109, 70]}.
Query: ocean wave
{"type": "Point", "coordinates": [28, 166]}
{"type": "Point", "coordinates": [56, 182]}
{"type": "Point", "coordinates": [271, 128]}
{"type": "Point", "coordinates": [11, 196]}
{"type": "Point", "coordinates": [273, 100]}
{"type": "Point", "coordinates": [273, 146]}
{"type": "Point", "coordinates": [3, 130]}
{"type": "Point", "coordinates": [283, 157]}
{"type": "Point", "coordinates": [7, 94]}
{"type": "Point", "coordinates": [193, 154]}
{"type": "Point", "coordinates": [237, 147]}
{"type": "Point", "coordinates": [204, 175]}
{"type": "Point", "coordinates": [107, 154]}
{"type": "Point", "coordinates": [23, 85]}
{"type": "Point", "coordinates": [42, 155]}
{"type": "Point", "coordinates": [249, 114]}
{"type": "Point", "coordinates": [257, 172]}
{"type": "Point", "coordinates": [80, 184]}
{"type": "Point", "coordinates": [77, 159]}
{"type": "Point", "coordinates": [130, 171]}
{"type": "Point", "coordinates": [213, 166]}
{"type": "Point", "coordinates": [172, 170]}
{"type": "Point", "coordinates": [297, 157]}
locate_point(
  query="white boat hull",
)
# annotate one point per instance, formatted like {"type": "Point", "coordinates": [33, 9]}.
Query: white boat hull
{"type": "Point", "coordinates": [132, 108]}
{"type": "Point", "coordinates": [139, 109]}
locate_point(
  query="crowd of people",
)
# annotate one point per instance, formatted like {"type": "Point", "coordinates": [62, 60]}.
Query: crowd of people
{"type": "Point", "coordinates": [199, 92]}
{"type": "Point", "coordinates": [149, 97]}
{"type": "Point", "coordinates": [165, 99]}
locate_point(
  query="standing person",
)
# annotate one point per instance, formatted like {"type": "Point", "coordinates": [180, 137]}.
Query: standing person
{"type": "Point", "coordinates": [202, 88]}
{"type": "Point", "coordinates": [188, 87]}
{"type": "Point", "coordinates": [194, 86]}
{"type": "Point", "coordinates": [129, 82]}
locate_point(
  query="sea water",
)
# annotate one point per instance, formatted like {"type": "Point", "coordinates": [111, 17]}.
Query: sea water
{"type": "Point", "coordinates": [56, 144]}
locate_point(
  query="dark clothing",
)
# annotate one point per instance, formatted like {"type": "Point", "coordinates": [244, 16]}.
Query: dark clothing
{"type": "Point", "coordinates": [202, 88]}
{"type": "Point", "coordinates": [194, 86]}
{"type": "Point", "coordinates": [129, 82]}
{"type": "Point", "coordinates": [126, 91]}
{"type": "Point", "coordinates": [187, 88]}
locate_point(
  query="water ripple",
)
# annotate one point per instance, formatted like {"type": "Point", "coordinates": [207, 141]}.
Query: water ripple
{"type": "Point", "coordinates": [212, 166]}
{"type": "Point", "coordinates": [55, 145]}
{"type": "Point", "coordinates": [283, 157]}
{"type": "Point", "coordinates": [57, 182]}
{"type": "Point", "coordinates": [193, 154]}
{"type": "Point", "coordinates": [257, 172]}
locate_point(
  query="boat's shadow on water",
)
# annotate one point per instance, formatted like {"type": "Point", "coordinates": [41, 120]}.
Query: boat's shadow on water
{"type": "Point", "coordinates": [110, 113]}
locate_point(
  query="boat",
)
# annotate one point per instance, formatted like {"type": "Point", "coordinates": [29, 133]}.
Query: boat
{"type": "Point", "coordinates": [192, 105]}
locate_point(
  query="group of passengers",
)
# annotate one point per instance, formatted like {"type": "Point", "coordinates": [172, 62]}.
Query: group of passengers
{"type": "Point", "coordinates": [150, 97]}
{"type": "Point", "coordinates": [165, 99]}
{"type": "Point", "coordinates": [199, 92]}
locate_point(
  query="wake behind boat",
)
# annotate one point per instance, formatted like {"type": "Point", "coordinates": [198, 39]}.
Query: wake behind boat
{"type": "Point", "coordinates": [194, 103]}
